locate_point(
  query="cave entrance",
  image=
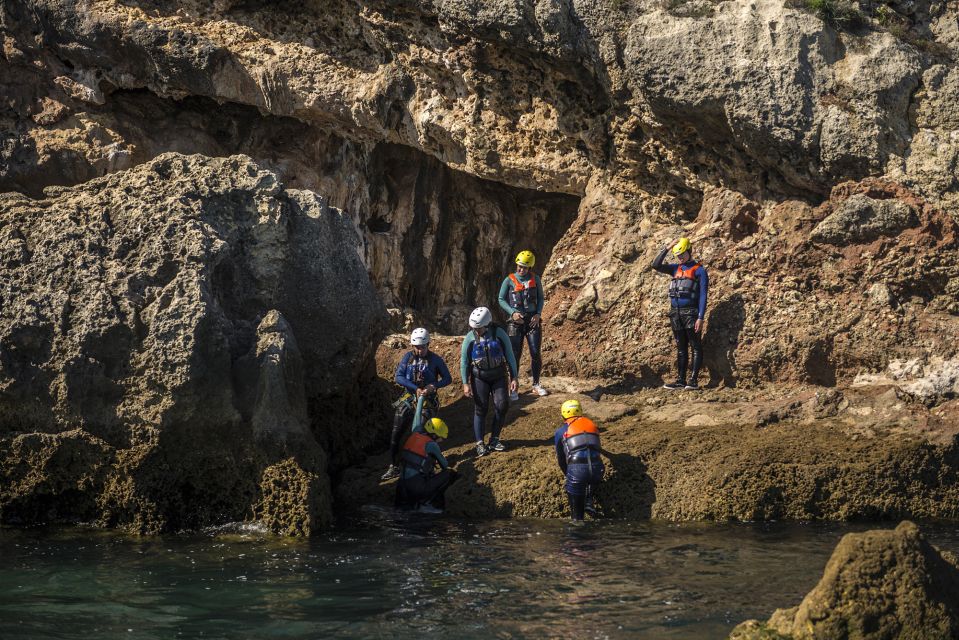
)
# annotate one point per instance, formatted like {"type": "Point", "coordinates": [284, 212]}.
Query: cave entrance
{"type": "Point", "coordinates": [439, 242]}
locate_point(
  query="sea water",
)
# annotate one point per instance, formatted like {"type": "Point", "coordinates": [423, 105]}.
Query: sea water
{"type": "Point", "coordinates": [390, 575]}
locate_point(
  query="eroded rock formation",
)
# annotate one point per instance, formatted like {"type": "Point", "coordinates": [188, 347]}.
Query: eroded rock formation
{"type": "Point", "coordinates": [170, 334]}
{"type": "Point", "coordinates": [878, 584]}
{"type": "Point", "coordinates": [813, 167]}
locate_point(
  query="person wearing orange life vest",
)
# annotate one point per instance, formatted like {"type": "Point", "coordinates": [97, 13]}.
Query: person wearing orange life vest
{"type": "Point", "coordinates": [521, 297]}
{"type": "Point", "coordinates": [578, 454]}
{"type": "Point", "coordinates": [420, 487]}
{"type": "Point", "coordinates": [687, 309]}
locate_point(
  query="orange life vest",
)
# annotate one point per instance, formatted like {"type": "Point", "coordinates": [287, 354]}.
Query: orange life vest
{"type": "Point", "coordinates": [414, 453]}
{"type": "Point", "coordinates": [523, 295]}
{"type": "Point", "coordinates": [582, 435]}
{"type": "Point", "coordinates": [684, 284]}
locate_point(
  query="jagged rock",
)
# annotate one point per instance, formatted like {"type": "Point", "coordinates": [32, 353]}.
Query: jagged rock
{"type": "Point", "coordinates": [878, 584]}
{"type": "Point", "coordinates": [187, 316]}
{"type": "Point", "coordinates": [862, 219]}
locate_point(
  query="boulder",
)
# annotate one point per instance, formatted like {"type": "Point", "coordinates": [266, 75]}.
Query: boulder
{"type": "Point", "coordinates": [877, 585]}
{"type": "Point", "coordinates": [186, 319]}
{"type": "Point", "coordinates": [862, 219]}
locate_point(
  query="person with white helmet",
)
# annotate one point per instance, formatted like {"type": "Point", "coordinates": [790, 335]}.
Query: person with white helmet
{"type": "Point", "coordinates": [420, 372]}
{"type": "Point", "coordinates": [521, 297]}
{"type": "Point", "coordinates": [488, 371]}
{"type": "Point", "coordinates": [688, 291]}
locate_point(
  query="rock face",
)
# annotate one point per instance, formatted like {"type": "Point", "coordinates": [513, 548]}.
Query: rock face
{"type": "Point", "coordinates": [812, 166]}
{"type": "Point", "coordinates": [171, 334]}
{"type": "Point", "coordinates": [879, 584]}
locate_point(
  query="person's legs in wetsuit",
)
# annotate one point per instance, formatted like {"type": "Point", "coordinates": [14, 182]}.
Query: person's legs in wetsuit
{"type": "Point", "coordinates": [500, 391]}
{"type": "Point", "coordinates": [534, 337]}
{"type": "Point", "coordinates": [402, 422]}
{"type": "Point", "coordinates": [582, 479]}
{"type": "Point", "coordinates": [516, 332]}
{"type": "Point", "coordinates": [696, 343]}
{"type": "Point", "coordinates": [481, 397]}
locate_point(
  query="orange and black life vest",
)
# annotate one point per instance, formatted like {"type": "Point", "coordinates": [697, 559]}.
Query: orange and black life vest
{"type": "Point", "coordinates": [523, 296]}
{"type": "Point", "coordinates": [414, 453]}
{"type": "Point", "coordinates": [582, 436]}
{"type": "Point", "coordinates": [684, 285]}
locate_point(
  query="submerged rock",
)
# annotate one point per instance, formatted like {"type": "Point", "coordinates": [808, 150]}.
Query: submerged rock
{"type": "Point", "coordinates": [168, 333]}
{"type": "Point", "coordinates": [877, 585]}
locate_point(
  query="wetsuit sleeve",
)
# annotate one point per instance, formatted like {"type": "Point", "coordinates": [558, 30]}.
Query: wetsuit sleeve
{"type": "Point", "coordinates": [443, 372]}
{"type": "Point", "coordinates": [539, 295]}
{"type": "Point", "coordinates": [400, 377]}
{"type": "Point", "coordinates": [464, 357]}
{"type": "Point", "coordinates": [433, 449]}
{"type": "Point", "coordinates": [510, 356]}
{"type": "Point", "coordinates": [558, 444]}
{"type": "Point", "coordinates": [703, 286]}
{"type": "Point", "coordinates": [418, 417]}
{"type": "Point", "coordinates": [503, 300]}
{"type": "Point", "coordinates": [658, 265]}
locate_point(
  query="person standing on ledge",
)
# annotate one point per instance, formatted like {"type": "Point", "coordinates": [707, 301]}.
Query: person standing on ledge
{"type": "Point", "coordinates": [687, 309]}
{"type": "Point", "coordinates": [521, 297]}
{"type": "Point", "coordinates": [578, 454]}
{"type": "Point", "coordinates": [486, 366]}
{"type": "Point", "coordinates": [420, 372]}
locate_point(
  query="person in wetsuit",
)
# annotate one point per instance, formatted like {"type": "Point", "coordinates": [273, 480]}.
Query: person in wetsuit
{"type": "Point", "coordinates": [420, 372]}
{"type": "Point", "coordinates": [488, 371]}
{"type": "Point", "coordinates": [521, 297]}
{"type": "Point", "coordinates": [578, 454]}
{"type": "Point", "coordinates": [687, 309]}
{"type": "Point", "coordinates": [420, 486]}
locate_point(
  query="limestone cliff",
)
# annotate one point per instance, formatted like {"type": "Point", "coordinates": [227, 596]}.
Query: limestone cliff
{"type": "Point", "coordinates": [808, 149]}
{"type": "Point", "coordinates": [167, 333]}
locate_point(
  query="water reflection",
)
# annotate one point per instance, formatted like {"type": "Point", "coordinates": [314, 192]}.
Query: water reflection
{"type": "Point", "coordinates": [391, 575]}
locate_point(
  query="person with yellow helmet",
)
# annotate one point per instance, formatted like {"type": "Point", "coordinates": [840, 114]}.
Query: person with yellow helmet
{"type": "Point", "coordinates": [687, 308]}
{"type": "Point", "coordinates": [420, 487]}
{"type": "Point", "coordinates": [521, 297]}
{"type": "Point", "coordinates": [578, 454]}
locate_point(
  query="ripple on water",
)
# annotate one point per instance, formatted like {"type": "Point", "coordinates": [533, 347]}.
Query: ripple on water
{"type": "Point", "coordinates": [394, 575]}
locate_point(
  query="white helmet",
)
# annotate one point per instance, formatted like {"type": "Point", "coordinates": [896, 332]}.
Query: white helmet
{"type": "Point", "coordinates": [480, 317]}
{"type": "Point", "coordinates": [420, 337]}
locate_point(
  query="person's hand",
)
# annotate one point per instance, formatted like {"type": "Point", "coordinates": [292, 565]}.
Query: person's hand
{"type": "Point", "coordinates": [467, 391]}
{"type": "Point", "coordinates": [517, 316]}
{"type": "Point", "coordinates": [513, 386]}
{"type": "Point", "coordinates": [698, 326]}
{"type": "Point", "coordinates": [534, 321]}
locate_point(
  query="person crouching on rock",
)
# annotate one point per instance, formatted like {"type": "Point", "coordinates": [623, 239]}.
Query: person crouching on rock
{"type": "Point", "coordinates": [578, 454]}
{"type": "Point", "coordinates": [420, 372]}
{"type": "Point", "coordinates": [419, 487]}
{"type": "Point", "coordinates": [687, 309]}
{"type": "Point", "coordinates": [488, 371]}
{"type": "Point", "coordinates": [521, 297]}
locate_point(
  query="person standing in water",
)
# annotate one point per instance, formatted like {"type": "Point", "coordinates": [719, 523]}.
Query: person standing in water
{"type": "Point", "coordinates": [488, 371]}
{"type": "Point", "coordinates": [521, 297]}
{"type": "Point", "coordinates": [578, 454]}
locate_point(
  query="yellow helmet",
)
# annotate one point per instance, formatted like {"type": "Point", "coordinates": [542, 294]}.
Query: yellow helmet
{"type": "Point", "coordinates": [681, 247]}
{"type": "Point", "coordinates": [437, 426]}
{"type": "Point", "coordinates": [525, 259]}
{"type": "Point", "coordinates": [571, 409]}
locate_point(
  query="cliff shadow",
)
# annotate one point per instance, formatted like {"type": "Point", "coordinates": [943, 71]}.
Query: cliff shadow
{"type": "Point", "coordinates": [627, 490]}
{"type": "Point", "coordinates": [725, 323]}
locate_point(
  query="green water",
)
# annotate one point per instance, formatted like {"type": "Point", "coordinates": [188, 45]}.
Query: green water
{"type": "Point", "coordinates": [388, 576]}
